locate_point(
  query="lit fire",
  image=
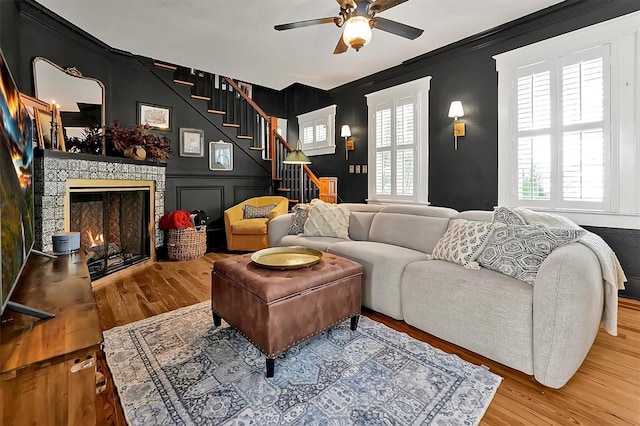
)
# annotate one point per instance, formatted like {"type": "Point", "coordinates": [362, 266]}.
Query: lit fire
{"type": "Point", "coordinates": [97, 241]}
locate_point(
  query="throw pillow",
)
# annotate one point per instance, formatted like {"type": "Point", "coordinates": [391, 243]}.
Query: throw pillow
{"type": "Point", "coordinates": [300, 214]}
{"type": "Point", "coordinates": [519, 250]}
{"type": "Point", "coordinates": [327, 220]}
{"type": "Point", "coordinates": [252, 212]}
{"type": "Point", "coordinates": [508, 216]}
{"type": "Point", "coordinates": [463, 241]}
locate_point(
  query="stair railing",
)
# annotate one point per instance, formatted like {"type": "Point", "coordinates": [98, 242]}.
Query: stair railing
{"type": "Point", "coordinates": [276, 149]}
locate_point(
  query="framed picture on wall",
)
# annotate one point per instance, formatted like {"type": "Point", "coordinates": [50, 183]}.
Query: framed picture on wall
{"type": "Point", "coordinates": [246, 88]}
{"type": "Point", "coordinates": [191, 143]}
{"type": "Point", "coordinates": [158, 117]}
{"type": "Point", "coordinates": [220, 156]}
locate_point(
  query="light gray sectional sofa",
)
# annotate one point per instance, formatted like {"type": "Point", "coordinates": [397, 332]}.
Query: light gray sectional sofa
{"type": "Point", "coordinates": [543, 330]}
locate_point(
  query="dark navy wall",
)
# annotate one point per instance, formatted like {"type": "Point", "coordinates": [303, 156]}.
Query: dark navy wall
{"type": "Point", "coordinates": [29, 30]}
{"type": "Point", "coordinates": [467, 178]}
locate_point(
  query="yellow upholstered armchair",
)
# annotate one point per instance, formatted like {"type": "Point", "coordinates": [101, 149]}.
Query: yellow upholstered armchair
{"type": "Point", "coordinates": [250, 234]}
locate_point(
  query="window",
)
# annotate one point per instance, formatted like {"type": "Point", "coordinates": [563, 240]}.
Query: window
{"type": "Point", "coordinates": [316, 130]}
{"type": "Point", "coordinates": [568, 137]}
{"type": "Point", "coordinates": [398, 149]}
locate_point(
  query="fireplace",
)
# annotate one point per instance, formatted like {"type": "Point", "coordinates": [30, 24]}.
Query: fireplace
{"type": "Point", "coordinates": [63, 179]}
{"type": "Point", "coordinates": [113, 227]}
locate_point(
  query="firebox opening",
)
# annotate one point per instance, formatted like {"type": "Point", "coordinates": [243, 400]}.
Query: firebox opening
{"type": "Point", "coordinates": [113, 227]}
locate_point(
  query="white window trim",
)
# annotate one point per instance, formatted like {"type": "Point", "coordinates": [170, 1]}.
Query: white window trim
{"type": "Point", "coordinates": [328, 114]}
{"type": "Point", "coordinates": [622, 34]}
{"type": "Point", "coordinates": [420, 89]}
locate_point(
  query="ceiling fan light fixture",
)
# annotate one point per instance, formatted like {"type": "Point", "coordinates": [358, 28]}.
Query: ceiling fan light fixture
{"type": "Point", "coordinates": [357, 32]}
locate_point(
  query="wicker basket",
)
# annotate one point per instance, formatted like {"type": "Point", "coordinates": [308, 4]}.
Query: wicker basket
{"type": "Point", "coordinates": [187, 243]}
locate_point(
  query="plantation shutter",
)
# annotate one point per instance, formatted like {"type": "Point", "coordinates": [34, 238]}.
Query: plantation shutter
{"type": "Point", "coordinates": [320, 131]}
{"type": "Point", "coordinates": [383, 149]}
{"type": "Point", "coordinates": [583, 126]}
{"type": "Point", "coordinates": [405, 147]}
{"type": "Point", "coordinates": [307, 133]}
{"type": "Point", "coordinates": [534, 133]}
{"type": "Point", "coordinates": [562, 131]}
{"type": "Point", "coordinates": [395, 139]}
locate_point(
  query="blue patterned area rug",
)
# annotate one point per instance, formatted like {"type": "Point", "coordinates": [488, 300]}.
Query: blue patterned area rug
{"type": "Point", "coordinates": [177, 369]}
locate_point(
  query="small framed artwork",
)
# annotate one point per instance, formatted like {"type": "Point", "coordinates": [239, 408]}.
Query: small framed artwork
{"type": "Point", "coordinates": [246, 88]}
{"type": "Point", "coordinates": [191, 143]}
{"type": "Point", "coordinates": [220, 156]}
{"type": "Point", "coordinates": [34, 106]}
{"type": "Point", "coordinates": [156, 116]}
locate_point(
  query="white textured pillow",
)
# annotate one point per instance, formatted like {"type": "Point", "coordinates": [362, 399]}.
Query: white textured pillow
{"type": "Point", "coordinates": [463, 242]}
{"type": "Point", "coordinates": [327, 220]}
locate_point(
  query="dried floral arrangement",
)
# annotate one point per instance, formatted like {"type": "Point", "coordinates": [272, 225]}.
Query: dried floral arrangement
{"type": "Point", "coordinates": [118, 138]}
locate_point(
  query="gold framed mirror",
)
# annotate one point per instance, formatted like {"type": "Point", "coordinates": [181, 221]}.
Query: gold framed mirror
{"type": "Point", "coordinates": [81, 99]}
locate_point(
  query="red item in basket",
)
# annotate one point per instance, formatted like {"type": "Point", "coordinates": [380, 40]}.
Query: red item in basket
{"type": "Point", "coordinates": [176, 219]}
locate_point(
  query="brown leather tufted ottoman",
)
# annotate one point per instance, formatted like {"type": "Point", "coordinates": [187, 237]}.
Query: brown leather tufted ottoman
{"type": "Point", "coordinates": [277, 309]}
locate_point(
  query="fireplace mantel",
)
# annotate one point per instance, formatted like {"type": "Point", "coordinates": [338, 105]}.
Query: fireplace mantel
{"type": "Point", "coordinates": [52, 170]}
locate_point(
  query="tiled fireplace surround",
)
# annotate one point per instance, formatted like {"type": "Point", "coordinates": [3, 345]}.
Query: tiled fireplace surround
{"type": "Point", "coordinates": [53, 168]}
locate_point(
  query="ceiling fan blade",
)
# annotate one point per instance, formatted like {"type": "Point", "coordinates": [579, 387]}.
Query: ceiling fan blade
{"type": "Point", "coordinates": [306, 23]}
{"type": "Point", "coordinates": [397, 28]}
{"type": "Point", "coordinates": [382, 5]}
{"type": "Point", "coordinates": [341, 47]}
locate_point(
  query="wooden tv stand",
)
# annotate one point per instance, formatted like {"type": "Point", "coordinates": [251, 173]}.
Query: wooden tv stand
{"type": "Point", "coordinates": [48, 366]}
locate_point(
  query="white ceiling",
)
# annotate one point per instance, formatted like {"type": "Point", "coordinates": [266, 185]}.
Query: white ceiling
{"type": "Point", "coordinates": [236, 37]}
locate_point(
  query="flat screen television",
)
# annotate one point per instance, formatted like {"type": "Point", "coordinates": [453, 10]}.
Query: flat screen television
{"type": "Point", "coordinates": [16, 190]}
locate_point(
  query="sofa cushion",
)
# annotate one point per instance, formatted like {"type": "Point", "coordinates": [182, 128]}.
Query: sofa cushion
{"type": "Point", "coordinates": [252, 212]}
{"type": "Point", "coordinates": [327, 220]}
{"type": "Point", "coordinates": [383, 267]}
{"type": "Point", "coordinates": [250, 226]}
{"type": "Point", "coordinates": [300, 214]}
{"type": "Point", "coordinates": [360, 224]}
{"type": "Point", "coordinates": [481, 310]}
{"type": "Point", "coordinates": [519, 250]}
{"type": "Point", "coordinates": [414, 231]}
{"type": "Point", "coordinates": [317, 243]}
{"type": "Point", "coordinates": [463, 241]}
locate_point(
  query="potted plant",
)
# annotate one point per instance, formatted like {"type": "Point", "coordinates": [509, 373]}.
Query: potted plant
{"type": "Point", "coordinates": [137, 142]}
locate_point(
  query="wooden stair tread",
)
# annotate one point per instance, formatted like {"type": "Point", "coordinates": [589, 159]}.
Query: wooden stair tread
{"type": "Point", "coordinates": [284, 189]}
{"type": "Point", "coordinates": [230, 125]}
{"type": "Point", "coordinates": [202, 98]}
{"type": "Point", "coordinates": [164, 65]}
{"type": "Point", "coordinates": [245, 137]}
{"type": "Point", "coordinates": [215, 111]}
{"type": "Point", "coordinates": [256, 148]}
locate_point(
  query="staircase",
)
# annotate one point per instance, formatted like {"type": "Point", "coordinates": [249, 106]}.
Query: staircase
{"type": "Point", "coordinates": [231, 100]}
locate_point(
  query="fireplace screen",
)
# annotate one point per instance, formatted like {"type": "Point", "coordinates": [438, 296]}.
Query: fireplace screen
{"type": "Point", "coordinates": [113, 227]}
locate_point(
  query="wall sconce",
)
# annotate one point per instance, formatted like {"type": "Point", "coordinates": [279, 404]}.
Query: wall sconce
{"type": "Point", "coordinates": [345, 132]}
{"type": "Point", "coordinates": [455, 111]}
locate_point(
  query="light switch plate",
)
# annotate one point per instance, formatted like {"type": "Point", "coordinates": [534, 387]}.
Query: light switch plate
{"type": "Point", "coordinates": [351, 168]}
{"type": "Point", "coordinates": [364, 168]}
{"type": "Point", "coordinates": [358, 168]}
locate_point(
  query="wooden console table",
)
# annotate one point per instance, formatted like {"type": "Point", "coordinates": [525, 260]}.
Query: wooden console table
{"type": "Point", "coordinates": [48, 367]}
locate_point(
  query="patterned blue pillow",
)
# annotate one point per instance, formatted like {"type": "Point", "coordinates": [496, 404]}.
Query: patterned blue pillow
{"type": "Point", "coordinates": [519, 250]}
{"type": "Point", "coordinates": [507, 216]}
{"type": "Point", "coordinates": [300, 215]}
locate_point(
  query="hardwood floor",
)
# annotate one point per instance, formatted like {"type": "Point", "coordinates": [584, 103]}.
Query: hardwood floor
{"type": "Point", "coordinates": [604, 391]}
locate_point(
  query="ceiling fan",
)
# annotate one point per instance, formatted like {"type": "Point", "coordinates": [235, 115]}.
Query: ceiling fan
{"type": "Point", "coordinates": [358, 18]}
